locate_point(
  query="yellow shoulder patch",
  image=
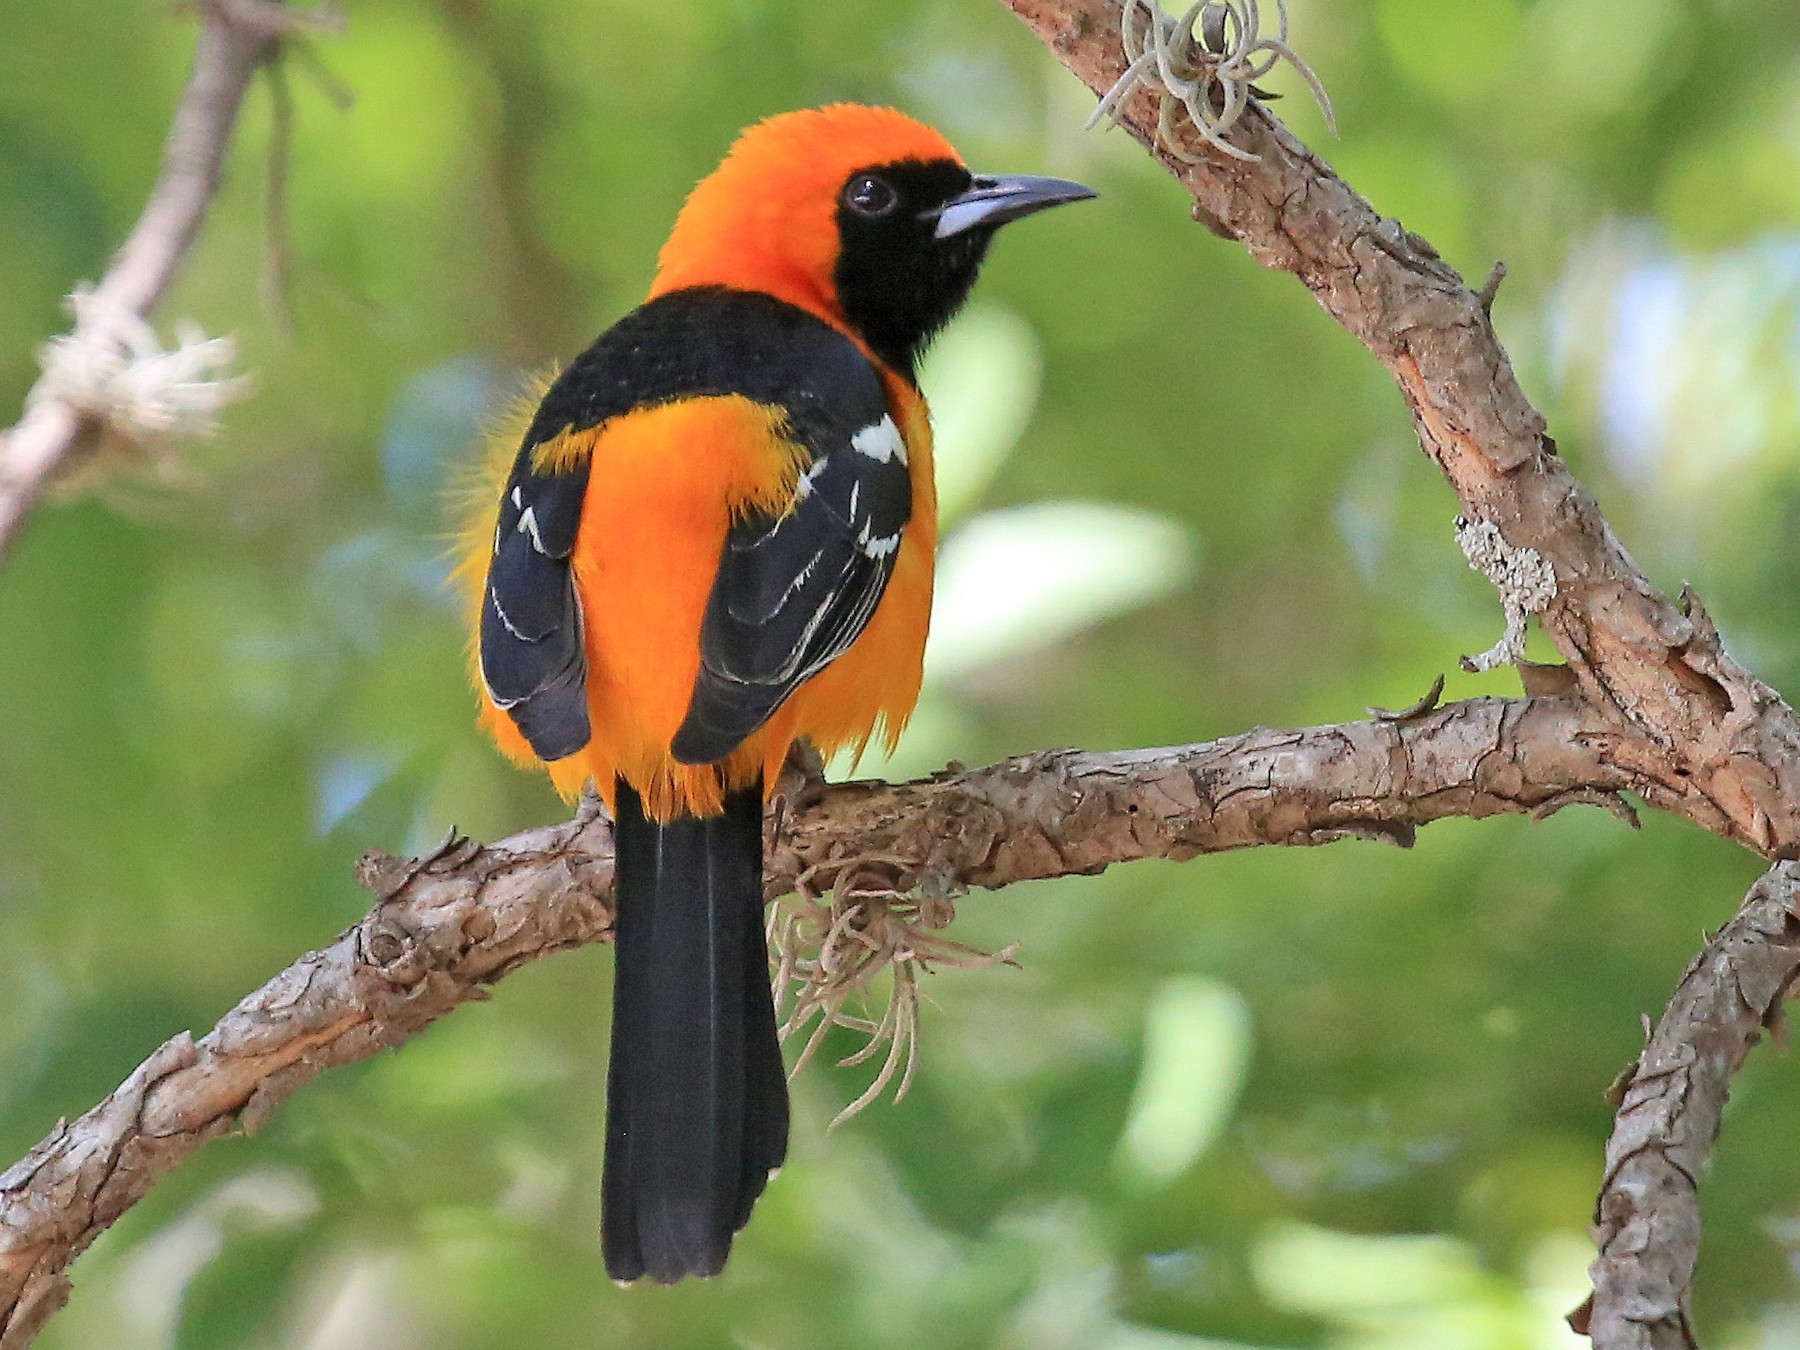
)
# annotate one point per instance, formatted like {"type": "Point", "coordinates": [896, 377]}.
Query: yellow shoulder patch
{"type": "Point", "coordinates": [565, 450]}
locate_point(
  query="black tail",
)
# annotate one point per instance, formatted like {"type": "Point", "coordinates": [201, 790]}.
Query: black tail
{"type": "Point", "coordinates": [697, 1105]}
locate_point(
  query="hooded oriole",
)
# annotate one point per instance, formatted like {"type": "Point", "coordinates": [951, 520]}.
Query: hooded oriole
{"type": "Point", "coordinates": [716, 536]}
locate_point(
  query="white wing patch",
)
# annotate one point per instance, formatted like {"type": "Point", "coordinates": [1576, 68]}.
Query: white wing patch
{"type": "Point", "coordinates": [880, 441]}
{"type": "Point", "coordinates": [876, 547]}
{"type": "Point", "coordinates": [804, 487]}
{"type": "Point", "coordinates": [528, 525]}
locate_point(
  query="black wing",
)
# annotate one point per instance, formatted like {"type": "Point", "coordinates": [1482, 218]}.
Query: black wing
{"type": "Point", "coordinates": [795, 590]}
{"type": "Point", "coordinates": [532, 656]}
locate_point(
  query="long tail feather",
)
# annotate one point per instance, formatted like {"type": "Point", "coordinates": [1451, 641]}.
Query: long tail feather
{"type": "Point", "coordinates": [697, 1107]}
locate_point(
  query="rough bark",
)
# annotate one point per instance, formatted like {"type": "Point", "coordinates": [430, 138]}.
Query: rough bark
{"type": "Point", "coordinates": [1721, 747]}
{"type": "Point", "coordinates": [1721, 741]}
{"type": "Point", "coordinates": [1647, 1221]}
{"type": "Point", "coordinates": [1661, 710]}
{"type": "Point", "coordinates": [445, 927]}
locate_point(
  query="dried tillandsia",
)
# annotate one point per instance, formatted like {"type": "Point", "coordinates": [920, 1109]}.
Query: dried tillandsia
{"type": "Point", "coordinates": [832, 941]}
{"type": "Point", "coordinates": [1211, 72]}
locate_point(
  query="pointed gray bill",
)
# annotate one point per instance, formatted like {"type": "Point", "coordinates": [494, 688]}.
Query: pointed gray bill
{"type": "Point", "coordinates": [994, 200]}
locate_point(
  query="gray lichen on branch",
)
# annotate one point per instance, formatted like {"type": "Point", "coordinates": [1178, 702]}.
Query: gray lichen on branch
{"type": "Point", "coordinates": [446, 926]}
{"type": "Point", "coordinates": [1526, 582]}
{"type": "Point", "coordinates": [1728, 747]}
{"type": "Point", "coordinates": [1721, 747]}
{"type": "Point", "coordinates": [110, 372]}
{"type": "Point", "coordinates": [1660, 710]}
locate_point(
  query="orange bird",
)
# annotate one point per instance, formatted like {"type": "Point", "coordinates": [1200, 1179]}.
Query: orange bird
{"type": "Point", "coordinates": [715, 537]}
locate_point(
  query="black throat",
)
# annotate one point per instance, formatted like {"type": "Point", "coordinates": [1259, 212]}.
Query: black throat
{"type": "Point", "coordinates": [897, 282]}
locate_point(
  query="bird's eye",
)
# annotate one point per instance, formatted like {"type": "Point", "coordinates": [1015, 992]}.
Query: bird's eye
{"type": "Point", "coordinates": [870, 196]}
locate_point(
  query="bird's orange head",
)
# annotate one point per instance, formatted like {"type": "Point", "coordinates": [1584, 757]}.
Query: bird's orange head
{"type": "Point", "coordinates": [860, 215]}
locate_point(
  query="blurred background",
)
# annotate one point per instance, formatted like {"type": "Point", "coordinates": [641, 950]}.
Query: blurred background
{"type": "Point", "coordinates": [1344, 1098]}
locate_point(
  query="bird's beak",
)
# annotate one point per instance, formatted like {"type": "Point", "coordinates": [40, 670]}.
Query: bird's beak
{"type": "Point", "coordinates": [998, 199]}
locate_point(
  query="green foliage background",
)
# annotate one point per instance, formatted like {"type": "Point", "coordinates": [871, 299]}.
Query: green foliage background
{"type": "Point", "coordinates": [1348, 1097]}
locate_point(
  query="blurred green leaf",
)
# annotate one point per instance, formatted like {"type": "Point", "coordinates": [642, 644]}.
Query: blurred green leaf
{"type": "Point", "coordinates": [982, 380]}
{"type": "Point", "coordinates": [220, 691]}
{"type": "Point", "coordinates": [1459, 52]}
{"type": "Point", "coordinates": [1025, 577]}
{"type": "Point", "coordinates": [1196, 1052]}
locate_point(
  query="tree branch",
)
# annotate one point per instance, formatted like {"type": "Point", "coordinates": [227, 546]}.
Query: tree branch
{"type": "Point", "coordinates": [447, 926]}
{"type": "Point", "coordinates": [236, 38]}
{"type": "Point", "coordinates": [1721, 746]}
{"type": "Point", "coordinates": [1664, 712]}
{"type": "Point", "coordinates": [1647, 1222]}
{"type": "Point", "coordinates": [1723, 743]}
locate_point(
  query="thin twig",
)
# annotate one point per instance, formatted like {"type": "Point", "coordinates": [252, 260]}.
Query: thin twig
{"type": "Point", "coordinates": [276, 270]}
{"type": "Point", "coordinates": [236, 38]}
